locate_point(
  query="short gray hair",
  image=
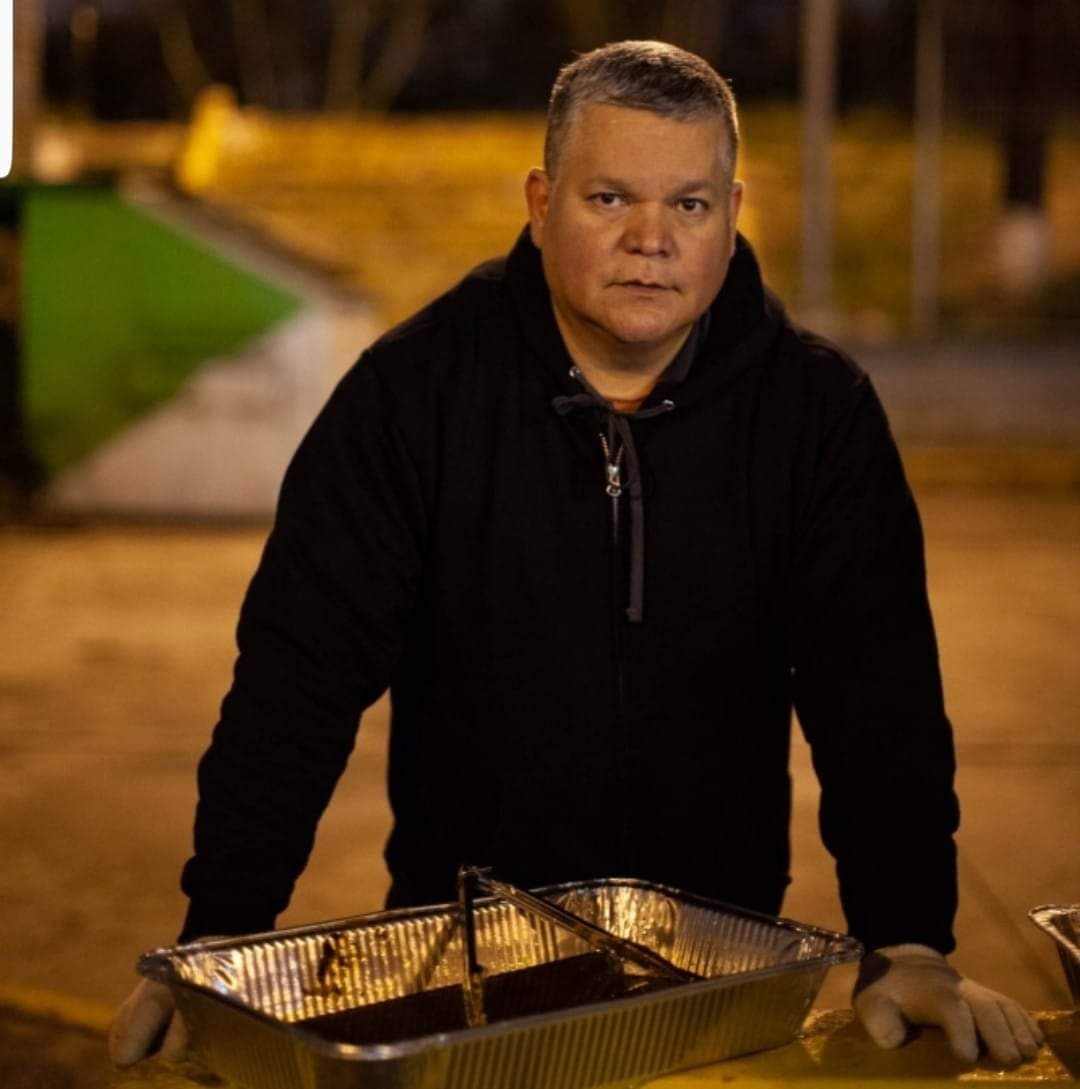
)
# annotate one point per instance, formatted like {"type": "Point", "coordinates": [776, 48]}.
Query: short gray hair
{"type": "Point", "coordinates": [654, 76]}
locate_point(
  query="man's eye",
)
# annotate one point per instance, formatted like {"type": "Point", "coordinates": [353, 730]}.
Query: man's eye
{"type": "Point", "coordinates": [607, 200]}
{"type": "Point", "coordinates": [692, 204]}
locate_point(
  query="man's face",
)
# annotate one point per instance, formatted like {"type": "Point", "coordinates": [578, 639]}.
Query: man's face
{"type": "Point", "coordinates": [636, 229]}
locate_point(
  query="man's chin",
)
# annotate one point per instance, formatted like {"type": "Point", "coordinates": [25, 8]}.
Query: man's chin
{"type": "Point", "coordinates": [646, 334]}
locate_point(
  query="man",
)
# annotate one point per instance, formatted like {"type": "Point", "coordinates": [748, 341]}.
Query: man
{"type": "Point", "coordinates": [599, 517]}
{"type": "Point", "coordinates": [20, 473]}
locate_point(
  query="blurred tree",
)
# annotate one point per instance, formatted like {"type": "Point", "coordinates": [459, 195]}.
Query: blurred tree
{"type": "Point", "coordinates": [695, 26]}
{"type": "Point", "coordinates": [399, 28]}
{"type": "Point", "coordinates": [183, 62]}
{"type": "Point", "coordinates": [83, 27]}
{"type": "Point", "coordinates": [1024, 231]}
{"type": "Point", "coordinates": [297, 40]}
{"type": "Point", "coordinates": [344, 69]}
{"type": "Point", "coordinates": [587, 22]}
{"type": "Point", "coordinates": [401, 50]}
{"type": "Point", "coordinates": [255, 52]}
{"type": "Point", "coordinates": [876, 59]}
{"type": "Point", "coordinates": [688, 23]}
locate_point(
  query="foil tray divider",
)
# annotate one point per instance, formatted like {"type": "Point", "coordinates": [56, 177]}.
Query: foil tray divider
{"type": "Point", "coordinates": [468, 880]}
{"type": "Point", "coordinates": [472, 877]}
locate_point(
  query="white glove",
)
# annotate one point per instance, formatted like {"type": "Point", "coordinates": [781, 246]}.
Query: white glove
{"type": "Point", "coordinates": [137, 1028]}
{"type": "Point", "coordinates": [902, 984]}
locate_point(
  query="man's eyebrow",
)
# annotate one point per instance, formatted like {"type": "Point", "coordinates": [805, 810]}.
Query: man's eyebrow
{"type": "Point", "coordinates": [604, 181]}
{"type": "Point", "coordinates": [619, 185]}
{"type": "Point", "coordinates": [696, 186]}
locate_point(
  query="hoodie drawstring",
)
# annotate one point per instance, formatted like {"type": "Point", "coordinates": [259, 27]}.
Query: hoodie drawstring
{"type": "Point", "coordinates": [619, 423]}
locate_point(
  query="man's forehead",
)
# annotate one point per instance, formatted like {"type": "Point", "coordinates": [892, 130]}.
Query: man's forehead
{"type": "Point", "coordinates": [613, 116]}
{"type": "Point", "coordinates": [601, 134]}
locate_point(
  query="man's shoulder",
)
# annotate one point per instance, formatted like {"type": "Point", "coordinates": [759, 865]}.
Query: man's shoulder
{"type": "Point", "coordinates": [820, 357]}
{"type": "Point", "coordinates": [466, 326]}
{"type": "Point", "coordinates": [476, 299]}
{"type": "Point", "coordinates": [410, 363]}
{"type": "Point", "coordinates": [817, 365]}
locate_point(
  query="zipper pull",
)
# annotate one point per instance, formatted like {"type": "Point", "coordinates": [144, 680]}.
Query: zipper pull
{"type": "Point", "coordinates": [613, 466]}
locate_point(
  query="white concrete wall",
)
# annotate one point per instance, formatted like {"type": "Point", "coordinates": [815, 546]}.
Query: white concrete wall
{"type": "Point", "coordinates": [220, 447]}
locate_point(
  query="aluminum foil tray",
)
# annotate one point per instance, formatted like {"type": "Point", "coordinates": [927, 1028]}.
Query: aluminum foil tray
{"type": "Point", "coordinates": [1062, 923]}
{"type": "Point", "coordinates": [245, 1000]}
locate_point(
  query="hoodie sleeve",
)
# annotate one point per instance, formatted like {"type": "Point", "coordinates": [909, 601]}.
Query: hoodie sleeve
{"type": "Point", "coordinates": [867, 686]}
{"type": "Point", "coordinates": [320, 630]}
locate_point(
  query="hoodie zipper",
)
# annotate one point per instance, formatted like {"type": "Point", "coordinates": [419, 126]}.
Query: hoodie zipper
{"type": "Point", "coordinates": [613, 470]}
{"type": "Point", "coordinates": [613, 488]}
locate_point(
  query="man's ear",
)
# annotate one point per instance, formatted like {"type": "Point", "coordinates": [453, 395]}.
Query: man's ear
{"type": "Point", "coordinates": [735, 196]}
{"type": "Point", "coordinates": [537, 195]}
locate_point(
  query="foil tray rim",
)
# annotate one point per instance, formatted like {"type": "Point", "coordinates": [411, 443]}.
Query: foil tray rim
{"type": "Point", "coordinates": [1046, 915]}
{"type": "Point", "coordinates": [849, 944]}
{"type": "Point", "coordinates": [157, 964]}
{"type": "Point", "coordinates": [1044, 911]}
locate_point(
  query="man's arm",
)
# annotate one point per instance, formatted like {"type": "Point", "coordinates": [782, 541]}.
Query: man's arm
{"type": "Point", "coordinates": [320, 630]}
{"type": "Point", "coordinates": [867, 689]}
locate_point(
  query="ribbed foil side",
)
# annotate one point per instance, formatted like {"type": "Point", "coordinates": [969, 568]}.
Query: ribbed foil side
{"type": "Point", "coordinates": [622, 1045]}
{"type": "Point", "coordinates": [692, 936]}
{"type": "Point", "coordinates": [248, 1052]}
{"type": "Point", "coordinates": [293, 978]}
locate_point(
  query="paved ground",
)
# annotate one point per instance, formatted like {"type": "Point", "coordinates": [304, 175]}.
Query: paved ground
{"type": "Point", "coordinates": [116, 645]}
{"type": "Point", "coordinates": [40, 1052]}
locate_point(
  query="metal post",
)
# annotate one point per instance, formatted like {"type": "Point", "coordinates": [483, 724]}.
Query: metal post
{"type": "Point", "coordinates": [926, 175]}
{"type": "Point", "coordinates": [28, 27]}
{"type": "Point", "coordinates": [819, 23]}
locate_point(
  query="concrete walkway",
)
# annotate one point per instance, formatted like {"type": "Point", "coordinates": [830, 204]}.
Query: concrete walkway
{"type": "Point", "coordinates": [51, 1043]}
{"type": "Point", "coordinates": [1006, 393]}
{"type": "Point", "coordinates": [992, 414]}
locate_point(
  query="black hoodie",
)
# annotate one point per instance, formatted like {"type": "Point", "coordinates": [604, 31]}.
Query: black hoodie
{"type": "Point", "coordinates": [585, 685]}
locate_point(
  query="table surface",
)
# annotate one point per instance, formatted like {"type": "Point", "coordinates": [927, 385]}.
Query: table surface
{"type": "Point", "coordinates": [831, 1050]}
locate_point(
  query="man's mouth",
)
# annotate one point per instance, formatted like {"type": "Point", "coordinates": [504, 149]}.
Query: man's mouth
{"type": "Point", "coordinates": [644, 285]}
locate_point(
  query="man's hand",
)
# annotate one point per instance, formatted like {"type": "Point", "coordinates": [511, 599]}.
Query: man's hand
{"type": "Point", "coordinates": [146, 1020]}
{"type": "Point", "coordinates": [914, 984]}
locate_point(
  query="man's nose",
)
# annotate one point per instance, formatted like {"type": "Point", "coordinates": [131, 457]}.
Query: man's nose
{"type": "Point", "coordinates": [648, 231]}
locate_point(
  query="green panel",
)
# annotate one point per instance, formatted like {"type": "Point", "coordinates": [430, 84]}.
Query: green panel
{"type": "Point", "coordinates": [118, 312]}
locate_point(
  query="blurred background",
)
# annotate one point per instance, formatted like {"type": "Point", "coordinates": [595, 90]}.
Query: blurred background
{"type": "Point", "coordinates": [216, 204]}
